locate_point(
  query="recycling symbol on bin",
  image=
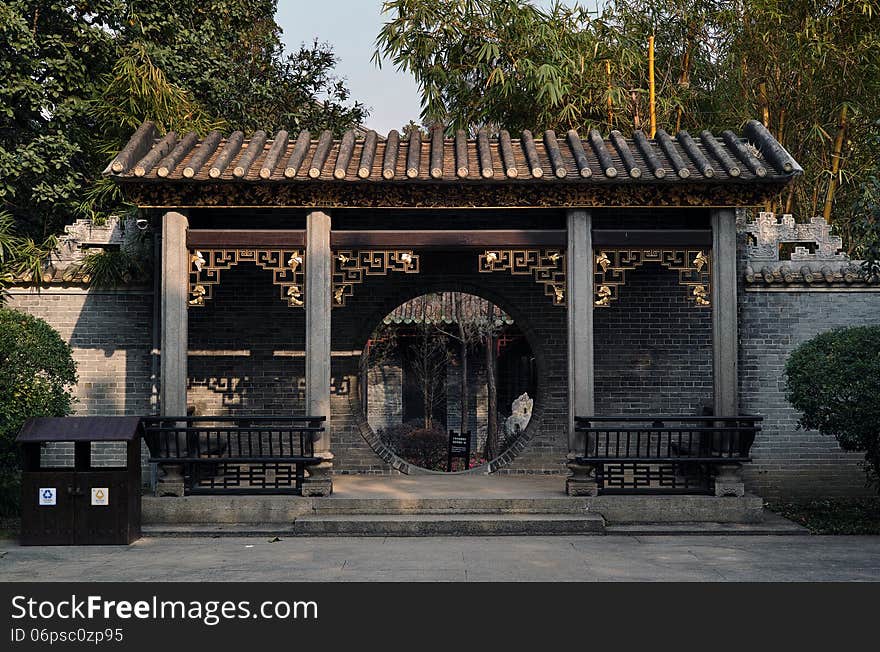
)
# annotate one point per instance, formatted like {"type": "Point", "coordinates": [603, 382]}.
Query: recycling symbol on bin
{"type": "Point", "coordinates": [47, 496]}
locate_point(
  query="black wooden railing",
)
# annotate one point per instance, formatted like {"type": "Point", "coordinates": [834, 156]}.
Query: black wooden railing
{"type": "Point", "coordinates": [240, 455]}
{"type": "Point", "coordinates": [663, 454]}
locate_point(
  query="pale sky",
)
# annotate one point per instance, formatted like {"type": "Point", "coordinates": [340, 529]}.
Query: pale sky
{"type": "Point", "coordinates": [351, 26]}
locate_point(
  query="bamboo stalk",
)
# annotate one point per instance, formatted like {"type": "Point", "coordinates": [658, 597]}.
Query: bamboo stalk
{"type": "Point", "coordinates": [835, 164]}
{"type": "Point", "coordinates": [765, 109]}
{"type": "Point", "coordinates": [610, 103]}
{"type": "Point", "coordinates": [651, 95]}
{"type": "Point", "coordinates": [683, 82]}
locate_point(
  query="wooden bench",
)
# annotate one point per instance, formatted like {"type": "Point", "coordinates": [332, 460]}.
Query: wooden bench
{"type": "Point", "coordinates": [663, 454]}
{"type": "Point", "coordinates": [236, 455]}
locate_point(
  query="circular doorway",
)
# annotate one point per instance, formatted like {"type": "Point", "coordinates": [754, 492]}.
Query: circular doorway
{"type": "Point", "coordinates": [448, 384]}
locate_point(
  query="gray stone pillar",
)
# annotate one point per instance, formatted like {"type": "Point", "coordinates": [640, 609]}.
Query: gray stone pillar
{"type": "Point", "coordinates": [580, 344]}
{"type": "Point", "coordinates": [724, 312]}
{"type": "Point", "coordinates": [318, 305]}
{"type": "Point", "coordinates": [725, 338]}
{"type": "Point", "coordinates": [175, 290]}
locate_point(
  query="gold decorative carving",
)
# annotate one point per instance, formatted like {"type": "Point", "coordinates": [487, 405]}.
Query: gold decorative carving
{"type": "Point", "coordinates": [611, 265]}
{"type": "Point", "coordinates": [547, 266]}
{"type": "Point", "coordinates": [350, 268]}
{"type": "Point", "coordinates": [286, 266]}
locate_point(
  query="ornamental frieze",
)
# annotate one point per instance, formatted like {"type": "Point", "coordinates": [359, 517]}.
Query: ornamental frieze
{"type": "Point", "coordinates": [431, 195]}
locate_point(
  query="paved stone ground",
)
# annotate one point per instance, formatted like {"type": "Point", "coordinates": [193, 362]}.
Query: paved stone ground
{"type": "Point", "coordinates": [581, 558]}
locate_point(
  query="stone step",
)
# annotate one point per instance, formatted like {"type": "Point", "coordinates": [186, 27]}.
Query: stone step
{"type": "Point", "coordinates": [283, 510]}
{"type": "Point", "coordinates": [562, 505]}
{"type": "Point", "coordinates": [400, 525]}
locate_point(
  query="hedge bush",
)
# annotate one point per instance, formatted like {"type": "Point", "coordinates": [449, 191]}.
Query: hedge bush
{"type": "Point", "coordinates": [834, 381]}
{"type": "Point", "coordinates": [37, 375]}
{"type": "Point", "coordinates": [424, 447]}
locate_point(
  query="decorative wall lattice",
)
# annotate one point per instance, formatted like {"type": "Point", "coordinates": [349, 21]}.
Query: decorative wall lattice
{"type": "Point", "coordinates": [611, 265]}
{"type": "Point", "coordinates": [547, 266]}
{"type": "Point", "coordinates": [350, 268]}
{"type": "Point", "coordinates": [782, 253]}
{"type": "Point", "coordinates": [286, 266]}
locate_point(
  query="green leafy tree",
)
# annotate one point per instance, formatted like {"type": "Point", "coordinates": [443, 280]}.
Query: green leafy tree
{"type": "Point", "coordinates": [810, 70]}
{"type": "Point", "coordinates": [51, 57]}
{"type": "Point", "coordinates": [37, 373]}
{"type": "Point", "coordinates": [496, 62]}
{"type": "Point", "coordinates": [834, 381]}
{"type": "Point", "coordinates": [78, 77]}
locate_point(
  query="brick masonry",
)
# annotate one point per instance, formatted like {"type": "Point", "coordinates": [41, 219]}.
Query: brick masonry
{"type": "Point", "coordinates": [653, 353]}
{"type": "Point", "coordinates": [110, 334]}
{"type": "Point", "coordinates": [246, 349]}
{"type": "Point", "coordinates": [652, 348]}
{"type": "Point", "coordinates": [786, 460]}
{"type": "Point", "coordinates": [544, 446]}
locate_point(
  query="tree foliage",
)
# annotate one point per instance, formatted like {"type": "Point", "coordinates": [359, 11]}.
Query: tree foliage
{"type": "Point", "coordinates": [20, 257]}
{"type": "Point", "coordinates": [810, 69]}
{"type": "Point", "coordinates": [834, 381]}
{"type": "Point", "coordinates": [79, 76]}
{"type": "Point", "coordinates": [37, 373]}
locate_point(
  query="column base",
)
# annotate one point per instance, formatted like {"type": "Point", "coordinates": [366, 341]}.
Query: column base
{"type": "Point", "coordinates": [728, 481]}
{"type": "Point", "coordinates": [582, 481]}
{"type": "Point", "coordinates": [319, 482]}
{"type": "Point", "coordinates": [317, 488]}
{"type": "Point", "coordinates": [170, 481]}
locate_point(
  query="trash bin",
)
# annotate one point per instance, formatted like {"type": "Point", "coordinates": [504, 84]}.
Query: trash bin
{"type": "Point", "coordinates": [80, 504]}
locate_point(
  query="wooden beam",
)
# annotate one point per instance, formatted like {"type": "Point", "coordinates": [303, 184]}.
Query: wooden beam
{"type": "Point", "coordinates": [448, 239]}
{"type": "Point", "coordinates": [650, 238]}
{"type": "Point", "coordinates": [208, 238]}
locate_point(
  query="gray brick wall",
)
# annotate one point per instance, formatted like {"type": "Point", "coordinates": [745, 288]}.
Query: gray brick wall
{"type": "Point", "coordinates": [652, 348]}
{"type": "Point", "coordinates": [246, 349]}
{"type": "Point", "coordinates": [110, 334]}
{"type": "Point", "coordinates": [788, 461]}
{"type": "Point", "coordinates": [653, 354]}
{"type": "Point", "coordinates": [520, 296]}
{"type": "Point", "coordinates": [385, 395]}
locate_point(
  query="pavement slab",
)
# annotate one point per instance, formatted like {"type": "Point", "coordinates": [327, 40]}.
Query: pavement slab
{"type": "Point", "coordinates": [455, 559]}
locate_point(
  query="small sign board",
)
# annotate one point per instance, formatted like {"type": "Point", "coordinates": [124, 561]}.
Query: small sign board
{"type": "Point", "coordinates": [459, 446]}
{"type": "Point", "coordinates": [100, 496]}
{"type": "Point", "coordinates": [48, 496]}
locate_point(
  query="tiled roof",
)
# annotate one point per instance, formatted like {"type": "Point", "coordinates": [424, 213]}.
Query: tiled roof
{"type": "Point", "coordinates": [588, 158]}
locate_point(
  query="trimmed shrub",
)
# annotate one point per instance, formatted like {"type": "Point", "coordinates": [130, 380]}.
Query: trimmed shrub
{"type": "Point", "coordinates": [834, 381]}
{"type": "Point", "coordinates": [424, 447]}
{"type": "Point", "coordinates": [37, 374]}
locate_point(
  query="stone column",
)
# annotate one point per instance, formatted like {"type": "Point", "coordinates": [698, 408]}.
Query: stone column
{"type": "Point", "coordinates": [582, 482]}
{"type": "Point", "coordinates": [175, 291]}
{"type": "Point", "coordinates": [318, 305]}
{"type": "Point", "coordinates": [725, 339]}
